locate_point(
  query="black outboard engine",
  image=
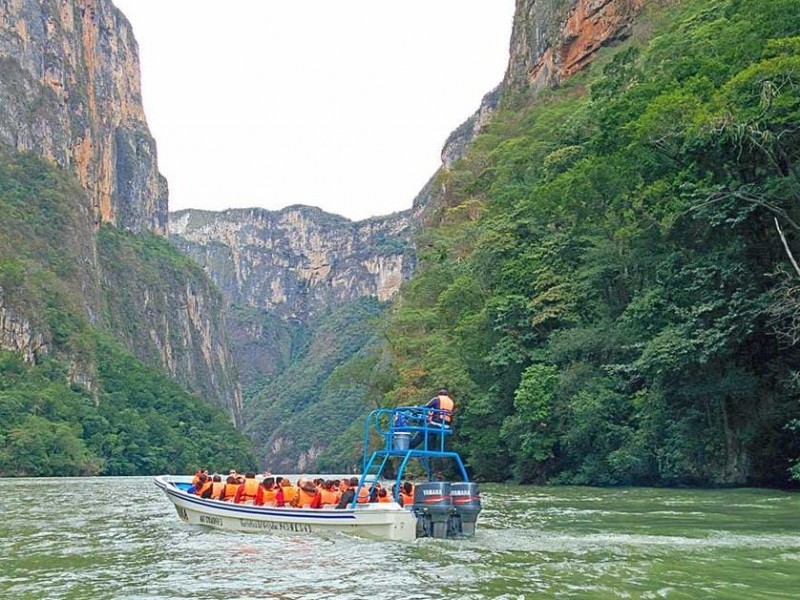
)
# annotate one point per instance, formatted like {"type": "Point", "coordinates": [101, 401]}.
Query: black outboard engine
{"type": "Point", "coordinates": [466, 504]}
{"type": "Point", "coordinates": [433, 507]}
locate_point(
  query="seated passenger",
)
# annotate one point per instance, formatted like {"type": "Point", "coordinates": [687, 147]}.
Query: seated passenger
{"type": "Point", "coordinates": [406, 494]}
{"type": "Point", "coordinates": [347, 489]}
{"type": "Point", "coordinates": [231, 487]}
{"type": "Point", "coordinates": [204, 485]}
{"type": "Point", "coordinates": [440, 416]}
{"type": "Point", "coordinates": [328, 497]}
{"type": "Point", "coordinates": [306, 492]}
{"type": "Point", "coordinates": [373, 492]}
{"type": "Point", "coordinates": [286, 494]}
{"type": "Point", "coordinates": [383, 496]}
{"type": "Point", "coordinates": [363, 494]}
{"type": "Point", "coordinates": [248, 489]}
{"type": "Point", "coordinates": [217, 491]}
{"type": "Point", "coordinates": [196, 478]}
{"type": "Point", "coordinates": [266, 493]}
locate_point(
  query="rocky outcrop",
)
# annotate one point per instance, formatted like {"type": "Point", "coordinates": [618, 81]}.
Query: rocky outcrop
{"type": "Point", "coordinates": [297, 261]}
{"type": "Point", "coordinates": [70, 92]}
{"type": "Point", "coordinates": [17, 334]}
{"type": "Point", "coordinates": [457, 143]}
{"type": "Point", "coordinates": [553, 39]}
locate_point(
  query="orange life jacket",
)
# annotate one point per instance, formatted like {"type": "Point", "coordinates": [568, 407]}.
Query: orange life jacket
{"type": "Point", "coordinates": [304, 498]}
{"type": "Point", "coordinates": [363, 495]}
{"type": "Point", "coordinates": [217, 488]}
{"type": "Point", "coordinates": [230, 491]}
{"type": "Point", "coordinates": [329, 497]}
{"type": "Point", "coordinates": [196, 478]}
{"type": "Point", "coordinates": [249, 490]}
{"type": "Point", "coordinates": [268, 496]}
{"type": "Point", "coordinates": [385, 498]}
{"type": "Point", "coordinates": [289, 493]}
{"type": "Point", "coordinates": [203, 488]}
{"type": "Point", "coordinates": [408, 499]}
{"type": "Point", "coordinates": [445, 404]}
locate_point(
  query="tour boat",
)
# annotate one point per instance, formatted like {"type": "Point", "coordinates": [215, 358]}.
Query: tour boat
{"type": "Point", "coordinates": [441, 509]}
{"type": "Point", "coordinates": [386, 520]}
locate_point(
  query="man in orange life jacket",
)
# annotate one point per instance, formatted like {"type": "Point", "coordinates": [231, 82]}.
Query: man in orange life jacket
{"type": "Point", "coordinates": [441, 416]}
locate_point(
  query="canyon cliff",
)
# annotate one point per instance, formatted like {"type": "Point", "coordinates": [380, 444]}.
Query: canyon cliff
{"type": "Point", "coordinates": [70, 95]}
{"type": "Point", "coordinates": [299, 260]}
{"type": "Point", "coordinates": [289, 266]}
{"type": "Point", "coordinates": [70, 92]}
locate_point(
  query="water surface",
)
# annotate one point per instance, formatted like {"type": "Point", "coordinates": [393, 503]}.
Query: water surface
{"type": "Point", "coordinates": [121, 538]}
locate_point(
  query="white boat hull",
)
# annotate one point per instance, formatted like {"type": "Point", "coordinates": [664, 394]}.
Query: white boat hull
{"type": "Point", "coordinates": [387, 520]}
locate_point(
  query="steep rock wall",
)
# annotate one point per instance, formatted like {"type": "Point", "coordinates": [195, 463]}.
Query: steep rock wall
{"type": "Point", "coordinates": [70, 93]}
{"type": "Point", "coordinates": [279, 270]}
{"type": "Point", "coordinates": [168, 312]}
{"type": "Point", "coordinates": [299, 260]}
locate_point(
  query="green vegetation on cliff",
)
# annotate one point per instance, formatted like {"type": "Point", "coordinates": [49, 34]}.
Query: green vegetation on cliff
{"type": "Point", "coordinates": [140, 423]}
{"type": "Point", "coordinates": [86, 405]}
{"type": "Point", "coordinates": [309, 416]}
{"type": "Point", "coordinates": [606, 289]}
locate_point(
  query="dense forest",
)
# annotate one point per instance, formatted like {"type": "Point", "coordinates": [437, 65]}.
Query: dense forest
{"type": "Point", "coordinates": [608, 287]}
{"type": "Point", "coordinates": [84, 405]}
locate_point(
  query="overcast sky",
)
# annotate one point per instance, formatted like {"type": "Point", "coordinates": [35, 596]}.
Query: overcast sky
{"type": "Point", "coordinates": [341, 104]}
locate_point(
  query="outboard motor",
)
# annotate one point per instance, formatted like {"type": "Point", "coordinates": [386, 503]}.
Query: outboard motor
{"type": "Point", "coordinates": [433, 507]}
{"type": "Point", "coordinates": [467, 504]}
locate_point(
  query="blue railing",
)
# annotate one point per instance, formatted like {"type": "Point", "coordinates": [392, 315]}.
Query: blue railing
{"type": "Point", "coordinates": [409, 422]}
{"type": "Point", "coordinates": [426, 428]}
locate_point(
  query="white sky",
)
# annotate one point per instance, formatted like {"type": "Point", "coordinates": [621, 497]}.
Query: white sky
{"type": "Point", "coordinates": [341, 104]}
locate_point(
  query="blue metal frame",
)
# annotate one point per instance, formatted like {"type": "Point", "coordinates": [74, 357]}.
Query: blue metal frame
{"type": "Point", "coordinates": [411, 420]}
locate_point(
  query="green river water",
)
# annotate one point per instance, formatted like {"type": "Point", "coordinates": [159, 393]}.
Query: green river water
{"type": "Point", "coordinates": [121, 538]}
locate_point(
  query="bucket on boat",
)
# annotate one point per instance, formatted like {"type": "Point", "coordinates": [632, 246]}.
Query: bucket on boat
{"type": "Point", "coordinates": [467, 504]}
{"type": "Point", "coordinates": [401, 440]}
{"type": "Point", "coordinates": [433, 507]}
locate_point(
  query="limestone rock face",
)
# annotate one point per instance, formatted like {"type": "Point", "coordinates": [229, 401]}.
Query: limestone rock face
{"type": "Point", "coordinates": [553, 39]}
{"type": "Point", "coordinates": [17, 334]}
{"type": "Point", "coordinates": [70, 92]}
{"type": "Point", "coordinates": [297, 261]}
{"type": "Point", "coordinates": [178, 324]}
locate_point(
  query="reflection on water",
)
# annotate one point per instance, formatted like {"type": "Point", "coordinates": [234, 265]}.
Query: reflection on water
{"type": "Point", "coordinates": [121, 538]}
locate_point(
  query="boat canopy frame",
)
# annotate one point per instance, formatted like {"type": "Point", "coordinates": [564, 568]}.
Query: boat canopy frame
{"type": "Point", "coordinates": [394, 424]}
